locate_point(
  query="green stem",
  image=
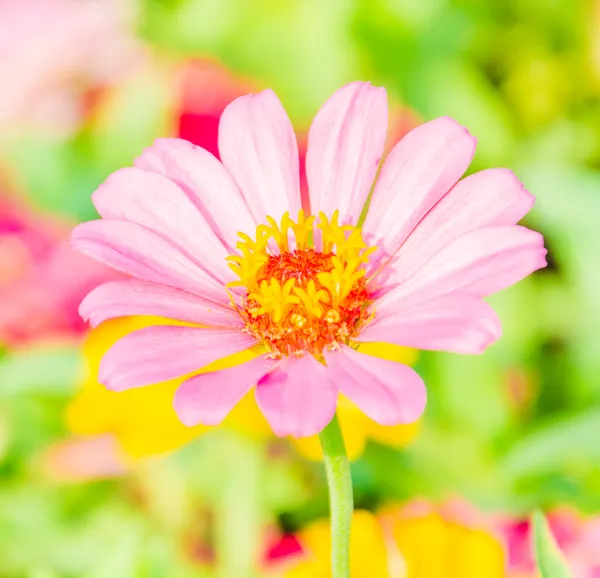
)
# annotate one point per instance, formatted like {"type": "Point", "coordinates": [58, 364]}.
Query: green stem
{"type": "Point", "coordinates": [340, 497]}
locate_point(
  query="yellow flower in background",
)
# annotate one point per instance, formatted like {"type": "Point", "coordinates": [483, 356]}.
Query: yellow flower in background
{"type": "Point", "coordinates": [434, 546]}
{"type": "Point", "coordinates": [368, 552]}
{"type": "Point", "coordinates": [422, 544]}
{"type": "Point", "coordinates": [143, 420]}
{"type": "Point", "coordinates": [356, 426]}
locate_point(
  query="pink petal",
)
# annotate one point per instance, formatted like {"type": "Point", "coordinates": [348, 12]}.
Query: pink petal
{"type": "Point", "coordinates": [157, 203]}
{"type": "Point", "coordinates": [298, 397]}
{"type": "Point", "coordinates": [134, 297]}
{"type": "Point", "coordinates": [389, 393]}
{"type": "Point", "coordinates": [206, 182]}
{"type": "Point", "coordinates": [137, 251]}
{"type": "Point", "coordinates": [208, 398]}
{"type": "Point", "coordinates": [421, 168]}
{"type": "Point", "coordinates": [489, 198]}
{"type": "Point", "coordinates": [258, 147]}
{"type": "Point", "coordinates": [479, 263]}
{"type": "Point", "coordinates": [345, 143]}
{"type": "Point", "coordinates": [456, 323]}
{"type": "Point", "coordinates": [159, 353]}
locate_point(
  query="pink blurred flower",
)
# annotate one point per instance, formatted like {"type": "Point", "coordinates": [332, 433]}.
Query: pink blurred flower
{"type": "Point", "coordinates": [85, 459]}
{"type": "Point", "coordinates": [55, 55]}
{"type": "Point", "coordinates": [577, 537]}
{"type": "Point", "coordinates": [414, 274]}
{"type": "Point", "coordinates": [42, 280]}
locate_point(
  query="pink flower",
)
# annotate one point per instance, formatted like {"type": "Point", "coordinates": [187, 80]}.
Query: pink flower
{"type": "Point", "coordinates": [54, 54]}
{"type": "Point", "coordinates": [577, 537]}
{"type": "Point", "coordinates": [84, 459]}
{"type": "Point", "coordinates": [304, 291]}
{"type": "Point", "coordinates": [42, 280]}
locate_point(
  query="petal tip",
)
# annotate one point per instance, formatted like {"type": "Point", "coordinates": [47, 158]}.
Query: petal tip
{"type": "Point", "coordinates": [529, 199]}
{"type": "Point", "coordinates": [83, 311]}
{"type": "Point", "coordinates": [186, 417]}
{"type": "Point", "coordinates": [495, 333]}
{"type": "Point", "coordinates": [454, 125]}
{"type": "Point", "coordinates": [76, 235]}
{"type": "Point", "coordinates": [109, 381]}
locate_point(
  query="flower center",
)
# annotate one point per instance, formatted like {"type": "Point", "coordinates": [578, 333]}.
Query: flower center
{"type": "Point", "coordinates": [305, 283]}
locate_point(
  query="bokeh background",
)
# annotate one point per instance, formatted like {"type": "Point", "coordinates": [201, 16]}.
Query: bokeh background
{"type": "Point", "coordinates": [105, 485]}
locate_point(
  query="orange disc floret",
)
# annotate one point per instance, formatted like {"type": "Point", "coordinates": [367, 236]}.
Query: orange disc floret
{"type": "Point", "coordinates": [301, 265]}
{"type": "Point", "coordinates": [300, 298]}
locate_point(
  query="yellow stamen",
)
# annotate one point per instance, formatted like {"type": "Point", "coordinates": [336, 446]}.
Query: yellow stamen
{"type": "Point", "coordinates": [302, 297]}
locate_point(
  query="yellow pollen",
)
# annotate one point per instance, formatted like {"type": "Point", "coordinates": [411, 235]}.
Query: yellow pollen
{"type": "Point", "coordinates": [305, 283]}
{"type": "Point", "coordinates": [332, 316]}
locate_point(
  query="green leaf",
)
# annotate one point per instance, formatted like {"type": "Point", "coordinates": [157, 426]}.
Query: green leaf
{"type": "Point", "coordinates": [558, 445]}
{"type": "Point", "coordinates": [550, 561]}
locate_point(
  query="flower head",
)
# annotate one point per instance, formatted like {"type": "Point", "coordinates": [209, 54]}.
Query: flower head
{"type": "Point", "coordinates": [226, 248]}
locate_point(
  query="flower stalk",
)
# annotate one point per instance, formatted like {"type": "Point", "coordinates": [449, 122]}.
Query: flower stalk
{"type": "Point", "coordinates": [341, 502]}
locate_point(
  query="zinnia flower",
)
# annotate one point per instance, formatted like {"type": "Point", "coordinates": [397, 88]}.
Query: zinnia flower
{"type": "Point", "coordinates": [226, 248]}
{"type": "Point", "coordinates": [415, 542]}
